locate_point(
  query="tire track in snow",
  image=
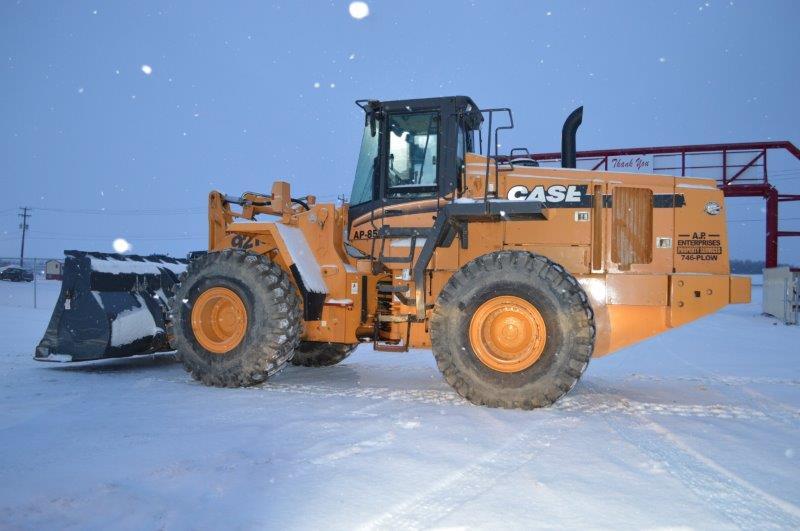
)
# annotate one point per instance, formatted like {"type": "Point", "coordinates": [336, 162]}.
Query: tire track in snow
{"type": "Point", "coordinates": [607, 403]}
{"type": "Point", "coordinates": [771, 406]}
{"type": "Point", "coordinates": [356, 448]}
{"type": "Point", "coordinates": [734, 381]}
{"type": "Point", "coordinates": [744, 504]}
{"type": "Point", "coordinates": [755, 400]}
{"type": "Point", "coordinates": [595, 402]}
{"type": "Point", "coordinates": [445, 496]}
{"type": "Point", "coordinates": [424, 396]}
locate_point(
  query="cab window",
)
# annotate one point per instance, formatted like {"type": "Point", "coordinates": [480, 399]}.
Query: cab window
{"type": "Point", "coordinates": [365, 182]}
{"type": "Point", "coordinates": [413, 154]}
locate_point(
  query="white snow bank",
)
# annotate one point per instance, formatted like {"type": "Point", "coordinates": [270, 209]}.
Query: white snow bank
{"type": "Point", "coordinates": [303, 258]}
{"type": "Point", "coordinates": [133, 324]}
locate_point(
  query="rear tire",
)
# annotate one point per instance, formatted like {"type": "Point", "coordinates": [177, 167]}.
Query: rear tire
{"type": "Point", "coordinates": [315, 354]}
{"type": "Point", "coordinates": [560, 331]}
{"type": "Point", "coordinates": [270, 319]}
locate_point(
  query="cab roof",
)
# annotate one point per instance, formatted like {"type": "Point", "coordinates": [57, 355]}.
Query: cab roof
{"type": "Point", "coordinates": [457, 104]}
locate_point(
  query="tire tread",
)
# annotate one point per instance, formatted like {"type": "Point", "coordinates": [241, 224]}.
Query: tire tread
{"type": "Point", "coordinates": [568, 291]}
{"type": "Point", "coordinates": [267, 354]}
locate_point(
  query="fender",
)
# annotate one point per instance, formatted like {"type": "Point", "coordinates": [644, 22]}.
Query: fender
{"type": "Point", "coordinates": [294, 256]}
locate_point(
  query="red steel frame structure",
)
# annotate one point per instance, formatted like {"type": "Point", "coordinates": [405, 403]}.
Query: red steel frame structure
{"type": "Point", "coordinates": [741, 171]}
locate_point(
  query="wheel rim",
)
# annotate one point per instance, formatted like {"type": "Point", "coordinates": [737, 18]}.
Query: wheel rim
{"type": "Point", "coordinates": [507, 334]}
{"type": "Point", "coordinates": [219, 320]}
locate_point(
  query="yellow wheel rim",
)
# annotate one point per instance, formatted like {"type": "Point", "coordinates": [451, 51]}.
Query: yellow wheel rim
{"type": "Point", "coordinates": [219, 320]}
{"type": "Point", "coordinates": [507, 334]}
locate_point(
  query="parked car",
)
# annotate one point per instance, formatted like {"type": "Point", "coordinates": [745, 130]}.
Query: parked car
{"type": "Point", "coordinates": [15, 274]}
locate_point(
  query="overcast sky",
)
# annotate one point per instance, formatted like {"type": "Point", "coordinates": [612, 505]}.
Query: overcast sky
{"type": "Point", "coordinates": [235, 97]}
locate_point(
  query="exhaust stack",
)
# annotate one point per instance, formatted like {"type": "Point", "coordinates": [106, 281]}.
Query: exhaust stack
{"type": "Point", "coordinates": [568, 133]}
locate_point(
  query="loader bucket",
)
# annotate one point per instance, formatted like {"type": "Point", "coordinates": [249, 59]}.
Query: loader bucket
{"type": "Point", "coordinates": [110, 306]}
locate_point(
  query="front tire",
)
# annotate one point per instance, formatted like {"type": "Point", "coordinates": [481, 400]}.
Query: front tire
{"type": "Point", "coordinates": [235, 319]}
{"type": "Point", "coordinates": [512, 329]}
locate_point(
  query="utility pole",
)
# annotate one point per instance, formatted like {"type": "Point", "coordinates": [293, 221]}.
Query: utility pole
{"type": "Point", "coordinates": [24, 226]}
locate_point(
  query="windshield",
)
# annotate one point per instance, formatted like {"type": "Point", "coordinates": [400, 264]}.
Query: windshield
{"type": "Point", "coordinates": [365, 180]}
{"type": "Point", "coordinates": [412, 153]}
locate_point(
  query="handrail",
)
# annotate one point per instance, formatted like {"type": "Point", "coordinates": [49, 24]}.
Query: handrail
{"type": "Point", "coordinates": [663, 150]}
{"type": "Point", "coordinates": [489, 157]}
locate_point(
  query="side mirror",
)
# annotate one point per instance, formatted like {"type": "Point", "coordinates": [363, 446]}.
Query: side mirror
{"type": "Point", "coordinates": [371, 109]}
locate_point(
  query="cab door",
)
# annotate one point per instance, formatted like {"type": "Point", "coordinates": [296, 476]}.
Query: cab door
{"type": "Point", "coordinates": [402, 184]}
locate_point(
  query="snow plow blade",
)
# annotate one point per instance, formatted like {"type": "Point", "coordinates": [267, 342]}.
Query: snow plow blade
{"type": "Point", "coordinates": [110, 306]}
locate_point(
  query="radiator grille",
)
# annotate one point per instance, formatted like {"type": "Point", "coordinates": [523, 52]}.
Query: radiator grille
{"type": "Point", "coordinates": [632, 226]}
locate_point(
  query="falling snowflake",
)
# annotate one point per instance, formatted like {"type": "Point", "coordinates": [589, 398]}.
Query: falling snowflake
{"type": "Point", "coordinates": [352, 56]}
{"type": "Point", "coordinates": [662, 59]}
{"type": "Point", "coordinates": [147, 69]}
{"type": "Point", "coordinates": [80, 90]}
{"type": "Point", "coordinates": [121, 245]}
{"type": "Point", "coordinates": [333, 85]}
{"type": "Point", "coordinates": [316, 84]}
{"type": "Point", "coordinates": [358, 10]}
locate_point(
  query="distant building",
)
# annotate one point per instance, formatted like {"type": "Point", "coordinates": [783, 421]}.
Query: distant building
{"type": "Point", "coordinates": [53, 270]}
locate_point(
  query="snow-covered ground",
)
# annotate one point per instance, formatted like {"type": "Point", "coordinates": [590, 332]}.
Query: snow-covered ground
{"type": "Point", "coordinates": [697, 428]}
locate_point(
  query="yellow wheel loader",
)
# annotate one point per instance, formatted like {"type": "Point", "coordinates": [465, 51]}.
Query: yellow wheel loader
{"type": "Point", "coordinates": [514, 275]}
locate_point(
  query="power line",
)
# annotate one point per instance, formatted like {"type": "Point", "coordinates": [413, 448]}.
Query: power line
{"type": "Point", "coordinates": [103, 238]}
{"type": "Point", "coordinates": [112, 236]}
{"type": "Point", "coordinates": [136, 212]}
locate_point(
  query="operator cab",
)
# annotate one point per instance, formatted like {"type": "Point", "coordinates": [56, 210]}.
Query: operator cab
{"type": "Point", "coordinates": [412, 150]}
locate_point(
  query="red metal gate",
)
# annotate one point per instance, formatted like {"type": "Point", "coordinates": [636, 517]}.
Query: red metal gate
{"type": "Point", "coordinates": [740, 170]}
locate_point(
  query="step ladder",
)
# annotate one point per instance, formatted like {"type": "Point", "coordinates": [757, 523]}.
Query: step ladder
{"type": "Point", "coordinates": [386, 318]}
{"type": "Point", "coordinates": [386, 232]}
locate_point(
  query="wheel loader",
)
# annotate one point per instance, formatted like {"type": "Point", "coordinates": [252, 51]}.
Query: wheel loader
{"type": "Point", "coordinates": [514, 275]}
